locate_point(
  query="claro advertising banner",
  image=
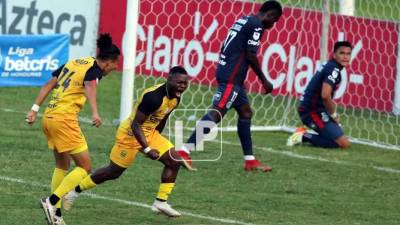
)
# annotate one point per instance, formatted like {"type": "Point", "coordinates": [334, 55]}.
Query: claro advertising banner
{"type": "Point", "coordinates": [29, 60]}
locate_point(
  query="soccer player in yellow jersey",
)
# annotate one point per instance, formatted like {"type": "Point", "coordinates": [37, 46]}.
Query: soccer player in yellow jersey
{"type": "Point", "coordinates": [71, 85]}
{"type": "Point", "coordinates": [141, 132]}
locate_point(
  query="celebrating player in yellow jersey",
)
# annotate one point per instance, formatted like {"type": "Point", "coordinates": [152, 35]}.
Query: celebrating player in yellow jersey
{"type": "Point", "coordinates": [141, 132]}
{"type": "Point", "coordinates": [71, 85]}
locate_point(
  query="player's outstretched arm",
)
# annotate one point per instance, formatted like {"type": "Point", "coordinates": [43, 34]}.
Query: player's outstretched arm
{"type": "Point", "coordinates": [139, 135]}
{"type": "Point", "coordinates": [44, 92]}
{"type": "Point", "coordinates": [90, 93]}
{"type": "Point", "coordinates": [255, 65]}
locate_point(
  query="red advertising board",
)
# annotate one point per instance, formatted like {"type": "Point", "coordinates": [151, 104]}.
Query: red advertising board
{"type": "Point", "coordinates": [372, 73]}
{"type": "Point", "coordinates": [190, 33]}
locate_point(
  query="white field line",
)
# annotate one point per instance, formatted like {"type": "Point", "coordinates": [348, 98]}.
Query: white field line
{"type": "Point", "coordinates": [265, 149]}
{"type": "Point", "coordinates": [308, 157]}
{"type": "Point", "coordinates": [126, 202]}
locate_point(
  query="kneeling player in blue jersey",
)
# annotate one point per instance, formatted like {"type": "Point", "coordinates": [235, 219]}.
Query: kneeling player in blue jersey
{"type": "Point", "coordinates": [317, 109]}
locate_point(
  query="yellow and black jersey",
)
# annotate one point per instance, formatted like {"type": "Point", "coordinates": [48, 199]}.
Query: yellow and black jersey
{"type": "Point", "coordinates": [68, 97]}
{"type": "Point", "coordinates": [155, 104]}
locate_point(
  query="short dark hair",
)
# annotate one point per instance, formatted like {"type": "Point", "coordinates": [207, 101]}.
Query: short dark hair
{"type": "Point", "coordinates": [107, 50]}
{"type": "Point", "coordinates": [271, 5]}
{"type": "Point", "coordinates": [339, 44]}
{"type": "Point", "coordinates": [177, 69]}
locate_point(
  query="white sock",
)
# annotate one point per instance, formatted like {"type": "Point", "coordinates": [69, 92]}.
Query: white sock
{"type": "Point", "coordinates": [249, 157]}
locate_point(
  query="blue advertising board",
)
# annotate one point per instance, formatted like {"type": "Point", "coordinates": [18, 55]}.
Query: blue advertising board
{"type": "Point", "coordinates": [29, 60]}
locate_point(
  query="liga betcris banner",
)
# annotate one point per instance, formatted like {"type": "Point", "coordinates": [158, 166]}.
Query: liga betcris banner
{"type": "Point", "coordinates": [190, 33]}
{"type": "Point", "coordinates": [29, 60]}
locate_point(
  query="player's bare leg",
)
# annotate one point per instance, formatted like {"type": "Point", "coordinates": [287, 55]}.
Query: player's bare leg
{"type": "Point", "coordinates": [110, 172]}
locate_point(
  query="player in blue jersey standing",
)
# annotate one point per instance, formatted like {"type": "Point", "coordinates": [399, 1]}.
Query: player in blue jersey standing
{"type": "Point", "coordinates": [238, 52]}
{"type": "Point", "coordinates": [317, 109]}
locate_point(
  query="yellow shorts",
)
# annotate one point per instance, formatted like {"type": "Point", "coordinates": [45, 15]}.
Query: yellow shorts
{"type": "Point", "coordinates": [126, 147]}
{"type": "Point", "coordinates": [64, 135]}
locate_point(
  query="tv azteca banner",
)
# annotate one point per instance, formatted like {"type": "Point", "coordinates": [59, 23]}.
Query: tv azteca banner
{"type": "Point", "coordinates": [190, 33]}
{"type": "Point", "coordinates": [29, 60]}
{"type": "Point", "coordinates": [77, 18]}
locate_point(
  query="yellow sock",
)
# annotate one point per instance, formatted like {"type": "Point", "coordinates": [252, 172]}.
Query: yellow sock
{"type": "Point", "coordinates": [70, 181]}
{"type": "Point", "coordinates": [58, 177]}
{"type": "Point", "coordinates": [87, 183]}
{"type": "Point", "coordinates": [165, 190]}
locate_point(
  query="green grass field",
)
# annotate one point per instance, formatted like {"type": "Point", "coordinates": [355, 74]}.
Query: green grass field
{"type": "Point", "coordinates": [307, 186]}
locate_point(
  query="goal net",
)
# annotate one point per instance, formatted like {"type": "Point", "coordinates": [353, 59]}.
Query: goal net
{"type": "Point", "coordinates": [191, 32]}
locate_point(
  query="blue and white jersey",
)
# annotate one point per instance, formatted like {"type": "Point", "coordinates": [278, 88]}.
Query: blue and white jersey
{"type": "Point", "coordinates": [245, 35]}
{"type": "Point", "coordinates": [329, 73]}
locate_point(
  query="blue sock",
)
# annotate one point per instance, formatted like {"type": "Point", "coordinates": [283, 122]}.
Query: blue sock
{"type": "Point", "coordinates": [243, 129]}
{"type": "Point", "coordinates": [192, 138]}
{"type": "Point", "coordinates": [319, 141]}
